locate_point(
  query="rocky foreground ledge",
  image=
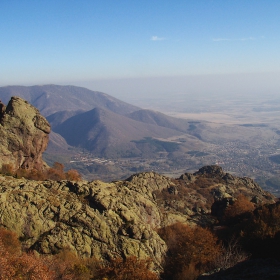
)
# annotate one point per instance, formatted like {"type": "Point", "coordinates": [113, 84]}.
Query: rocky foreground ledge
{"type": "Point", "coordinates": [116, 219]}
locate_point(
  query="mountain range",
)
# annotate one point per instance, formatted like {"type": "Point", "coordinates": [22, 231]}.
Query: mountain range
{"type": "Point", "coordinates": [49, 99]}
{"type": "Point", "coordinates": [102, 124]}
{"type": "Point", "coordinates": [89, 127]}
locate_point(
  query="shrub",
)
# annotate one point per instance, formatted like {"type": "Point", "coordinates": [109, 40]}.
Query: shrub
{"type": "Point", "coordinates": [240, 206]}
{"type": "Point", "coordinates": [190, 251]}
{"type": "Point", "coordinates": [22, 266]}
{"type": "Point", "coordinates": [73, 175]}
{"type": "Point", "coordinates": [67, 266]}
{"type": "Point", "coordinates": [28, 266]}
{"type": "Point", "coordinates": [129, 269]}
{"type": "Point", "coordinates": [261, 233]}
{"type": "Point", "coordinates": [8, 169]}
{"type": "Point", "coordinates": [55, 173]}
{"type": "Point", "coordinates": [22, 173]}
{"type": "Point", "coordinates": [232, 253]}
{"type": "Point", "coordinates": [266, 222]}
{"type": "Point", "coordinates": [10, 241]}
{"type": "Point", "coordinates": [35, 174]}
{"type": "Point", "coordinates": [18, 265]}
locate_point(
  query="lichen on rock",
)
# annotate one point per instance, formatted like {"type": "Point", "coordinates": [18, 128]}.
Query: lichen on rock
{"type": "Point", "coordinates": [24, 135]}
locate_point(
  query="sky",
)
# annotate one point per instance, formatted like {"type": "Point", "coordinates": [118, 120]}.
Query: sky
{"type": "Point", "coordinates": [118, 46]}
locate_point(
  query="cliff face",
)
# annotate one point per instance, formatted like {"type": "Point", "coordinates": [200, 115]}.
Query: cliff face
{"type": "Point", "coordinates": [24, 135]}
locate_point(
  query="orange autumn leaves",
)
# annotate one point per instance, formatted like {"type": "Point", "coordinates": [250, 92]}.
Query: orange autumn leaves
{"type": "Point", "coordinates": [190, 250]}
{"type": "Point", "coordinates": [16, 264]}
{"type": "Point", "coordinates": [55, 173]}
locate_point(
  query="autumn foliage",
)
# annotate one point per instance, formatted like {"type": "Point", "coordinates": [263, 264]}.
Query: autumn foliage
{"type": "Point", "coordinates": [19, 265]}
{"type": "Point", "coordinates": [261, 232]}
{"type": "Point", "coordinates": [55, 173]}
{"type": "Point", "coordinates": [265, 222]}
{"type": "Point", "coordinates": [190, 250]}
{"type": "Point", "coordinates": [10, 241]}
{"type": "Point", "coordinates": [241, 205]}
{"type": "Point", "coordinates": [128, 269]}
{"type": "Point", "coordinates": [258, 230]}
{"type": "Point", "coordinates": [7, 169]}
{"type": "Point", "coordinates": [15, 264]}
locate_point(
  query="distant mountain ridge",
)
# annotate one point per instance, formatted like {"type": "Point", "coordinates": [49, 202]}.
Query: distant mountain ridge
{"type": "Point", "coordinates": [159, 119]}
{"type": "Point", "coordinates": [59, 117]}
{"type": "Point", "coordinates": [105, 132]}
{"type": "Point", "coordinates": [50, 99]}
{"type": "Point", "coordinates": [101, 123]}
{"type": "Point", "coordinates": [87, 125]}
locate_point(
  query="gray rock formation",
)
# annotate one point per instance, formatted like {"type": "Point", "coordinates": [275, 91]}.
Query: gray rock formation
{"type": "Point", "coordinates": [107, 220]}
{"type": "Point", "coordinates": [208, 191]}
{"type": "Point", "coordinates": [94, 219]}
{"type": "Point", "coordinates": [24, 135]}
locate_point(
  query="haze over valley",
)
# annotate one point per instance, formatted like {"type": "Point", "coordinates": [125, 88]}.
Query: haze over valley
{"type": "Point", "coordinates": [106, 138]}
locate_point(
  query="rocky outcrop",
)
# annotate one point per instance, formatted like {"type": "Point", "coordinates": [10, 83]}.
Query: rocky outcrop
{"type": "Point", "coordinates": [199, 197]}
{"type": "Point", "coordinates": [24, 135]}
{"type": "Point", "coordinates": [210, 169]}
{"type": "Point", "coordinates": [104, 220]}
{"type": "Point", "coordinates": [107, 220]}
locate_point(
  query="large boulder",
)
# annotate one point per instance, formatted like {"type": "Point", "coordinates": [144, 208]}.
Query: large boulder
{"type": "Point", "coordinates": [24, 135]}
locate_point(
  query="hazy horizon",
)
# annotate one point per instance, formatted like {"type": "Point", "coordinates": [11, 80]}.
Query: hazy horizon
{"type": "Point", "coordinates": [139, 49]}
{"type": "Point", "coordinates": [222, 85]}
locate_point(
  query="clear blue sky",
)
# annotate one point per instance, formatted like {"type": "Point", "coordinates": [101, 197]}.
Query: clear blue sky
{"type": "Point", "coordinates": [69, 41]}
